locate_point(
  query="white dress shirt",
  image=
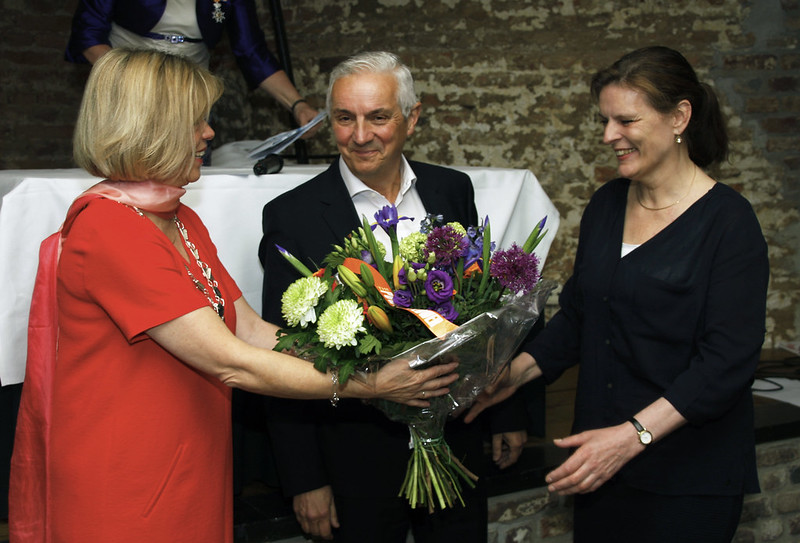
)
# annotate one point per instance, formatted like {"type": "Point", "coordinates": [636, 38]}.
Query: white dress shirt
{"type": "Point", "coordinates": [368, 201]}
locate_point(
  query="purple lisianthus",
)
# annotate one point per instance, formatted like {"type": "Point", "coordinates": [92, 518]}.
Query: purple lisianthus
{"type": "Point", "coordinates": [447, 244]}
{"type": "Point", "coordinates": [439, 287]}
{"type": "Point", "coordinates": [402, 276]}
{"type": "Point", "coordinates": [403, 298]}
{"type": "Point", "coordinates": [446, 310]}
{"type": "Point", "coordinates": [387, 218]}
{"type": "Point", "coordinates": [515, 269]}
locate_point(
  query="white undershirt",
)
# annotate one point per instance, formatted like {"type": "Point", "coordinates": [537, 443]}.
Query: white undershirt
{"type": "Point", "coordinates": [180, 17]}
{"type": "Point", "coordinates": [367, 202]}
{"type": "Point", "coordinates": [627, 248]}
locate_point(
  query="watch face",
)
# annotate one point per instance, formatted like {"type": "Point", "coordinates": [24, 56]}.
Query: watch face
{"type": "Point", "coordinates": [645, 437]}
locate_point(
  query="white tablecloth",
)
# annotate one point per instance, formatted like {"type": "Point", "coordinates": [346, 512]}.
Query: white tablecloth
{"type": "Point", "coordinates": [230, 201]}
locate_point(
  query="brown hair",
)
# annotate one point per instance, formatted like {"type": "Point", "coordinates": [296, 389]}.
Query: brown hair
{"type": "Point", "coordinates": [666, 78]}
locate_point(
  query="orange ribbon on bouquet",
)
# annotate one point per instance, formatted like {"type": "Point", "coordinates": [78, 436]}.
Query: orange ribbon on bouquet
{"type": "Point", "coordinates": [431, 319]}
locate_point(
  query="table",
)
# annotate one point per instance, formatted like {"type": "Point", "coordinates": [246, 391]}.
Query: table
{"type": "Point", "coordinates": [229, 201]}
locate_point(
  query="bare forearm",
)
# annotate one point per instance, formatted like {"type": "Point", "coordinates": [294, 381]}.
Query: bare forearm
{"type": "Point", "coordinates": [94, 52]}
{"type": "Point", "coordinates": [202, 340]}
{"type": "Point", "coordinates": [280, 87]}
{"type": "Point", "coordinates": [524, 368]}
{"type": "Point", "coordinates": [660, 418]}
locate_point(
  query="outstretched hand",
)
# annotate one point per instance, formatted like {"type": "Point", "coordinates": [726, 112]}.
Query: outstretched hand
{"type": "Point", "coordinates": [599, 456]}
{"type": "Point", "coordinates": [398, 382]}
{"type": "Point", "coordinates": [496, 392]}
{"type": "Point", "coordinates": [518, 372]}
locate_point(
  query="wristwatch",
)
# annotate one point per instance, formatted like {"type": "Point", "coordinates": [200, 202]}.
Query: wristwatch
{"type": "Point", "coordinates": [645, 437]}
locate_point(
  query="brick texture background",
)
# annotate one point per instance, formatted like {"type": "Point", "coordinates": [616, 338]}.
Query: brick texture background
{"type": "Point", "coordinates": [504, 83]}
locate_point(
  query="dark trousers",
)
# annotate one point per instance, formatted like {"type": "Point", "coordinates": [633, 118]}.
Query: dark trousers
{"type": "Point", "coordinates": [620, 514]}
{"type": "Point", "coordinates": [388, 520]}
{"type": "Point", "coordinates": [9, 404]}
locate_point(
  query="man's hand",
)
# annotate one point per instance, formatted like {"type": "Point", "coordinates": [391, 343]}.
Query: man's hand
{"type": "Point", "coordinates": [316, 512]}
{"type": "Point", "coordinates": [507, 446]}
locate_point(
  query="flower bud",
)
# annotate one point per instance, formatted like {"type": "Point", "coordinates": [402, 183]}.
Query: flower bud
{"type": "Point", "coordinates": [411, 274]}
{"type": "Point", "coordinates": [366, 275]}
{"type": "Point", "coordinates": [351, 280]}
{"type": "Point", "coordinates": [396, 267]}
{"type": "Point", "coordinates": [379, 318]}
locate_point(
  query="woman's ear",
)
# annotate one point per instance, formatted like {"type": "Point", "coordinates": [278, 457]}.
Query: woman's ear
{"type": "Point", "coordinates": [681, 116]}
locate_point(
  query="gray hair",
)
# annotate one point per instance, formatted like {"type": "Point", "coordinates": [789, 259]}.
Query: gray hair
{"type": "Point", "coordinates": [377, 62]}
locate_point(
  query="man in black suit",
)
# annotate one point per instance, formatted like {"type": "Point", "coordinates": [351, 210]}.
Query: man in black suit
{"type": "Point", "coordinates": [344, 466]}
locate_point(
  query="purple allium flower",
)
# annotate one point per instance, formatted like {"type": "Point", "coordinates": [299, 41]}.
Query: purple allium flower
{"type": "Point", "coordinates": [515, 269]}
{"type": "Point", "coordinates": [439, 286]}
{"type": "Point", "coordinates": [403, 298]}
{"type": "Point", "coordinates": [446, 310]}
{"type": "Point", "coordinates": [447, 244]}
{"type": "Point", "coordinates": [387, 218]}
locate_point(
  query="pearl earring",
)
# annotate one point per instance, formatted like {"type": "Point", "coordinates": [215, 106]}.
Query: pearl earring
{"type": "Point", "coordinates": [678, 139]}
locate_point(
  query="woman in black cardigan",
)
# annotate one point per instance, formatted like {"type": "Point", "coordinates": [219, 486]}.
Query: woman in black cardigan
{"type": "Point", "coordinates": [665, 314]}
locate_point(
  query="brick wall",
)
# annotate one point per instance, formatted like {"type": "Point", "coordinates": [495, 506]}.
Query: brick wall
{"type": "Point", "coordinates": [504, 83]}
{"type": "Point", "coordinates": [773, 515]}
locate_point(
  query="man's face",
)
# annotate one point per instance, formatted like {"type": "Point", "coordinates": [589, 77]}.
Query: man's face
{"type": "Point", "coordinates": [369, 127]}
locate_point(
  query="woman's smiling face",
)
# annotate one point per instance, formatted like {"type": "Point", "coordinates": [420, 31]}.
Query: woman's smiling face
{"type": "Point", "coordinates": [202, 135]}
{"type": "Point", "coordinates": [641, 137]}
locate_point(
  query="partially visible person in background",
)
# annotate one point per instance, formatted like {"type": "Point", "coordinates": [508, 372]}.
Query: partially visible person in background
{"type": "Point", "coordinates": [191, 28]}
{"type": "Point", "coordinates": [124, 431]}
{"type": "Point", "coordinates": [665, 315]}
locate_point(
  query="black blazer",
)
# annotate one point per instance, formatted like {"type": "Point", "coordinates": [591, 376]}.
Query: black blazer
{"type": "Point", "coordinates": [353, 447]}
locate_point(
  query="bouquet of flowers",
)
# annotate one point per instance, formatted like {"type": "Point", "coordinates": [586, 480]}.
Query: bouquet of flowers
{"type": "Point", "coordinates": [446, 294]}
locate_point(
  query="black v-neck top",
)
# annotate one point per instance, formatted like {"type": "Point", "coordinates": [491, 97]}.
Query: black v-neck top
{"type": "Point", "coordinates": [683, 317]}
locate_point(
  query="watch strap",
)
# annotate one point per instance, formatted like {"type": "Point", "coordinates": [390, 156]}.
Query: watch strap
{"type": "Point", "coordinates": [637, 424]}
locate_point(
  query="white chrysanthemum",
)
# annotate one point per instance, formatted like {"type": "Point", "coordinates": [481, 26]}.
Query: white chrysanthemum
{"type": "Point", "coordinates": [339, 324]}
{"type": "Point", "coordinates": [411, 247]}
{"type": "Point", "coordinates": [300, 299]}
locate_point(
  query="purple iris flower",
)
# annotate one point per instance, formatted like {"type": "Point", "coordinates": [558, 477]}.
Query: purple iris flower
{"type": "Point", "coordinates": [387, 218]}
{"type": "Point", "coordinates": [446, 310]}
{"type": "Point", "coordinates": [403, 298]}
{"type": "Point", "coordinates": [366, 256]}
{"type": "Point", "coordinates": [439, 286]}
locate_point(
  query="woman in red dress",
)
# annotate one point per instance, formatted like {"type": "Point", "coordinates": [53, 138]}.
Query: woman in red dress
{"type": "Point", "coordinates": [152, 334]}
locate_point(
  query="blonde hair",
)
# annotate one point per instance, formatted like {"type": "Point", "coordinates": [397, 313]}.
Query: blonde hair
{"type": "Point", "coordinates": [139, 114]}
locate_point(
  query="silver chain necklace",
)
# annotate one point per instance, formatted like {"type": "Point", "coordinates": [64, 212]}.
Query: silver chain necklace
{"type": "Point", "coordinates": [217, 302]}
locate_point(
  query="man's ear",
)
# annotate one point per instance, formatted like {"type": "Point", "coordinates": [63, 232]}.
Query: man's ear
{"type": "Point", "coordinates": [413, 118]}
